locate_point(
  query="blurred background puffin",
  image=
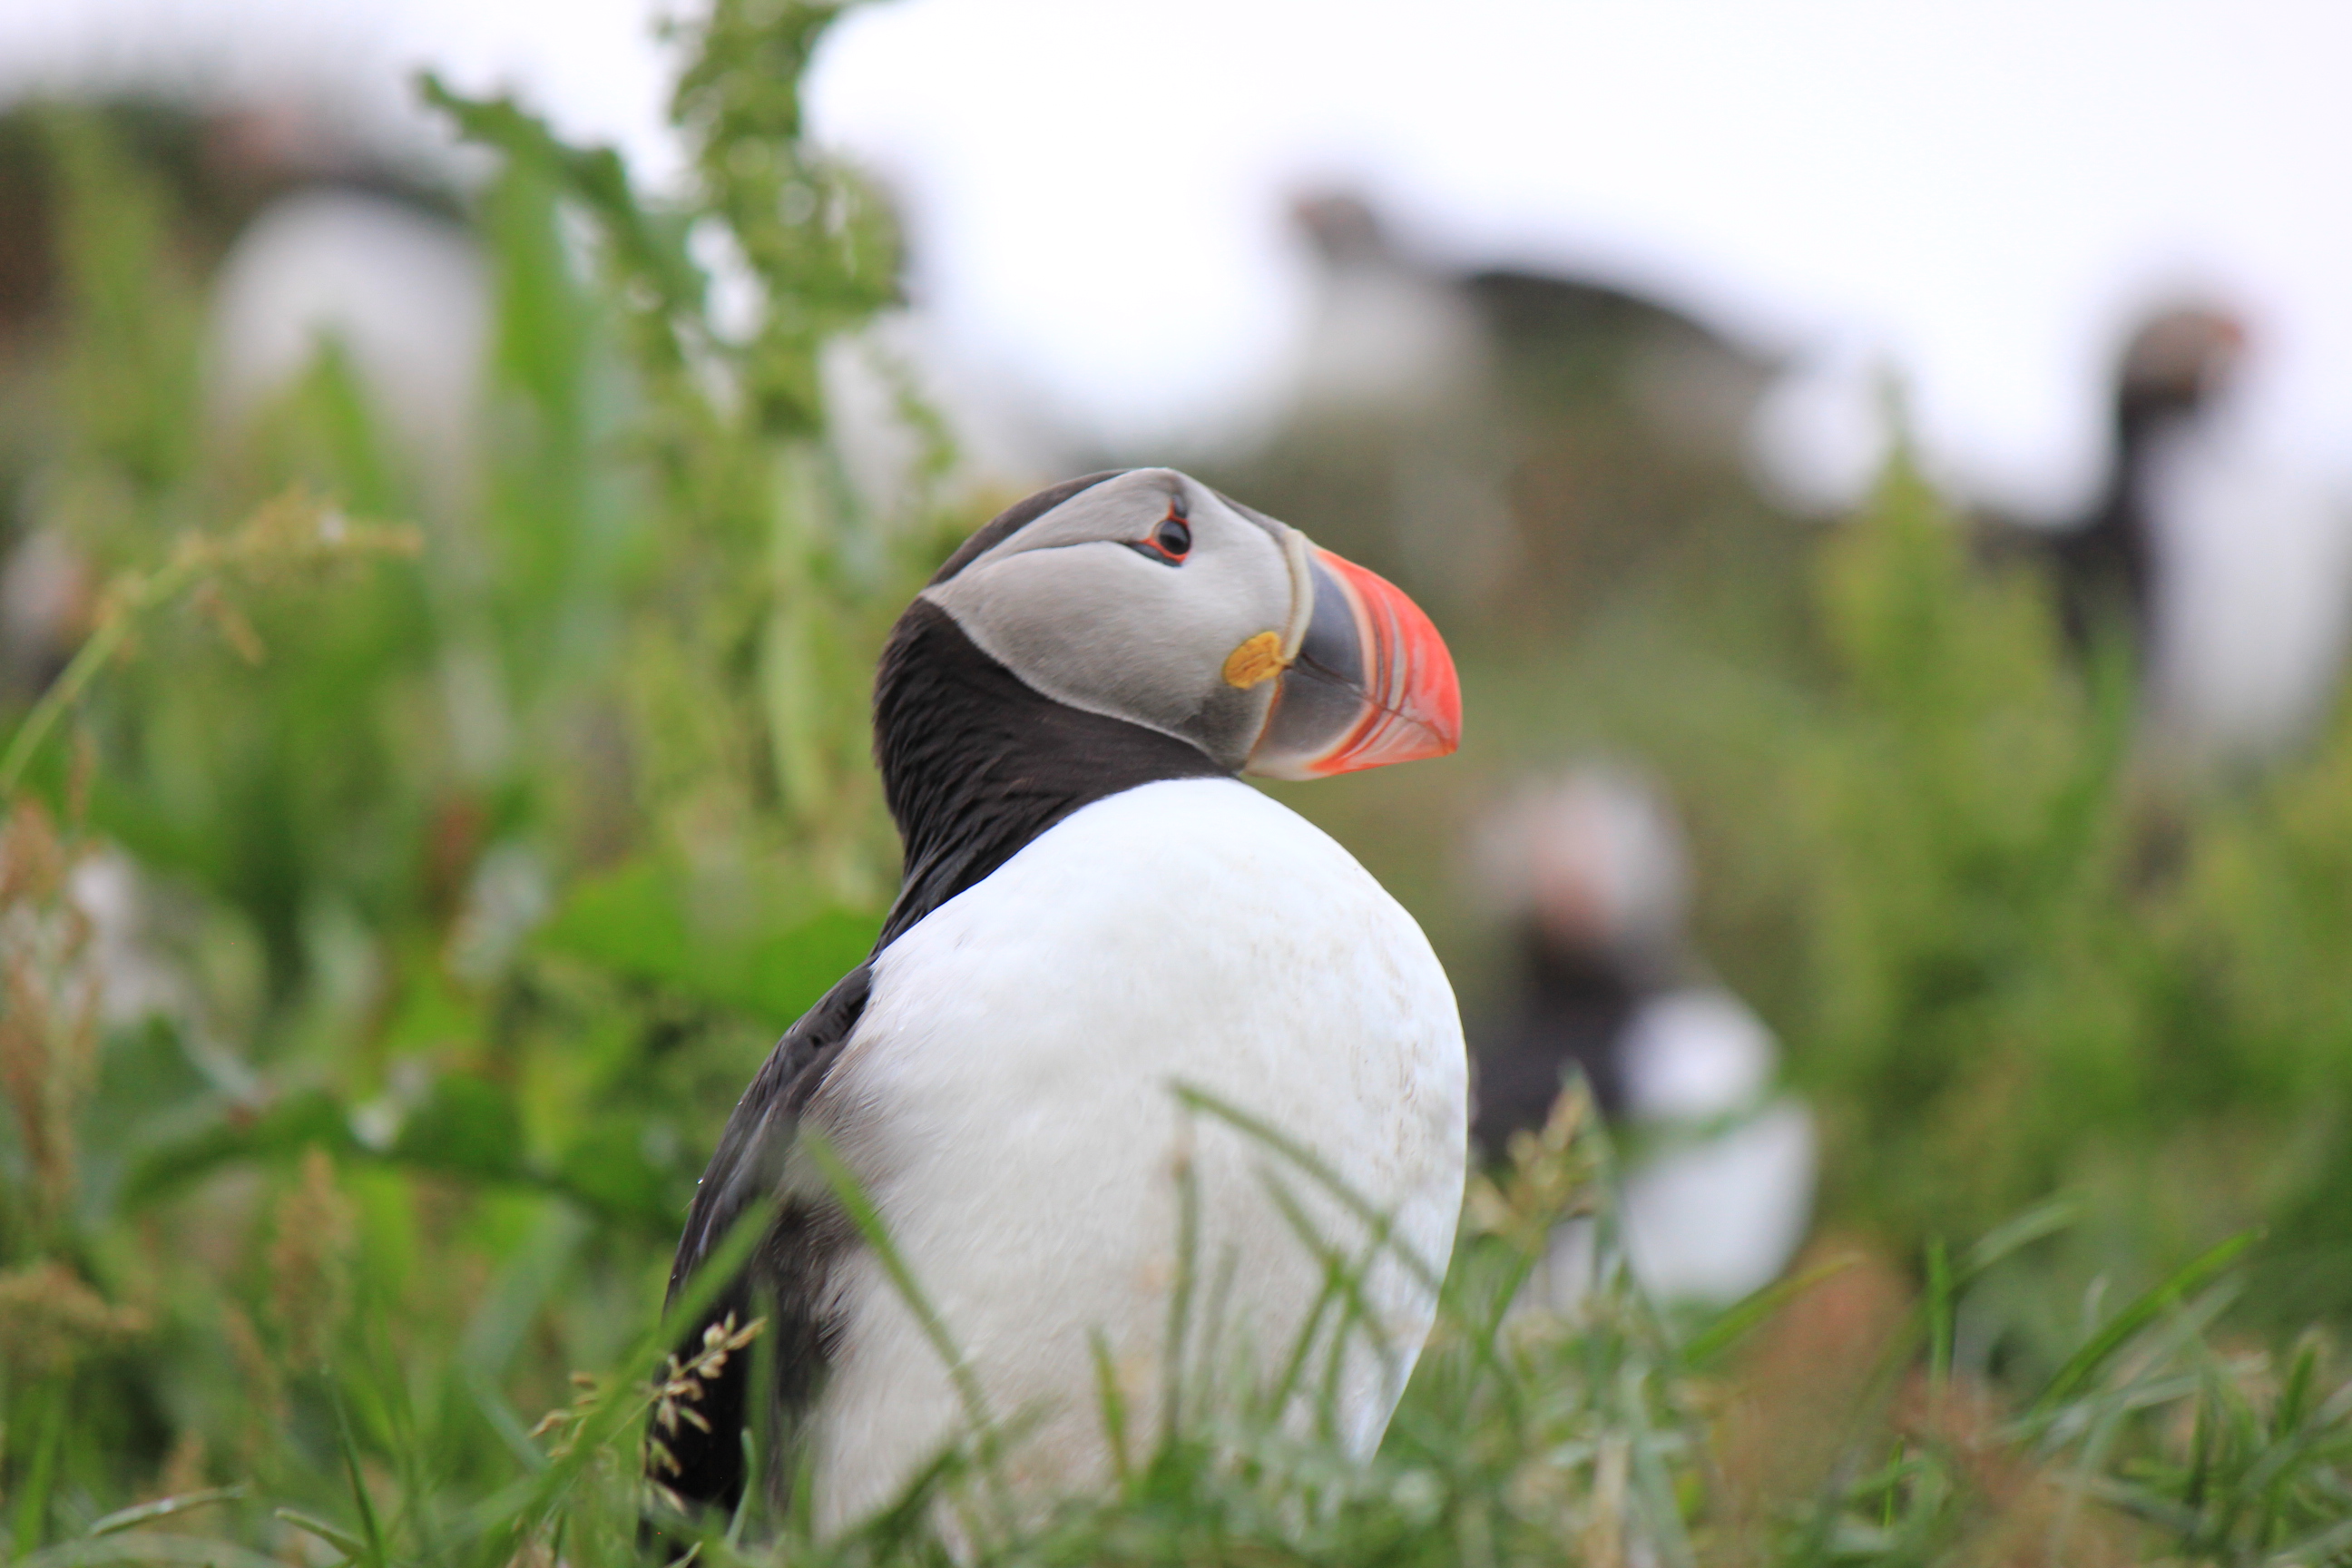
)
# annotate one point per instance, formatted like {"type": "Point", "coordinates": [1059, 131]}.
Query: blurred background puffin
{"type": "Point", "coordinates": [2225, 571]}
{"type": "Point", "coordinates": [1586, 869]}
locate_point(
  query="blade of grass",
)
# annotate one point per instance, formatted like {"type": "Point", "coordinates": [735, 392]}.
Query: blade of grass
{"type": "Point", "coordinates": [1939, 1304]}
{"type": "Point", "coordinates": [374, 1556]}
{"type": "Point", "coordinates": [2084, 1364]}
{"type": "Point", "coordinates": [1343, 1283]}
{"type": "Point", "coordinates": [852, 1195]}
{"type": "Point", "coordinates": [140, 1546]}
{"type": "Point", "coordinates": [2327, 1545]}
{"type": "Point", "coordinates": [334, 1535]}
{"type": "Point", "coordinates": [1180, 1300]}
{"type": "Point", "coordinates": [1313, 1165]}
{"type": "Point", "coordinates": [760, 1435]}
{"type": "Point", "coordinates": [621, 1401]}
{"type": "Point", "coordinates": [164, 1507]}
{"type": "Point", "coordinates": [2001, 1241]}
{"type": "Point", "coordinates": [33, 1492]}
{"type": "Point", "coordinates": [490, 1403]}
{"type": "Point", "coordinates": [1113, 1405]}
{"type": "Point", "coordinates": [1655, 1486]}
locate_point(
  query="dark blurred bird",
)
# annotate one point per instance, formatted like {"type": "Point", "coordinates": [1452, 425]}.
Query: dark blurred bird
{"type": "Point", "coordinates": [1390, 446]}
{"type": "Point", "coordinates": [1718, 1176]}
{"type": "Point", "coordinates": [1498, 434]}
{"type": "Point", "coordinates": [2224, 568]}
{"type": "Point", "coordinates": [1095, 911]}
{"type": "Point", "coordinates": [2106, 560]}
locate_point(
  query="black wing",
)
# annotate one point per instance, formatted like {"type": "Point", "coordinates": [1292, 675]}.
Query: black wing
{"type": "Point", "coordinates": [785, 1280]}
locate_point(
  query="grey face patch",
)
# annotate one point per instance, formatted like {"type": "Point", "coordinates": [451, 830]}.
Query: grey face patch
{"type": "Point", "coordinates": [1069, 606]}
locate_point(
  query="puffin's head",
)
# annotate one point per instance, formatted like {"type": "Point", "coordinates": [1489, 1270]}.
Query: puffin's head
{"type": "Point", "coordinates": [2180, 357]}
{"type": "Point", "coordinates": [1146, 595]}
{"type": "Point", "coordinates": [1590, 862]}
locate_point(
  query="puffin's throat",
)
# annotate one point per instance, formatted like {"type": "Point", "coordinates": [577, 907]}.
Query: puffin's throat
{"type": "Point", "coordinates": [975, 764]}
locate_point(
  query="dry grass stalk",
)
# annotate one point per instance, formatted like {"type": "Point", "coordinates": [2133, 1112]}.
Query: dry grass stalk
{"type": "Point", "coordinates": [283, 539]}
{"type": "Point", "coordinates": [681, 1388]}
{"type": "Point", "coordinates": [309, 1261]}
{"type": "Point", "coordinates": [1551, 1178]}
{"type": "Point", "coordinates": [1604, 1537]}
{"type": "Point", "coordinates": [49, 1002]}
{"type": "Point", "coordinates": [51, 1319]}
{"type": "Point", "coordinates": [265, 1408]}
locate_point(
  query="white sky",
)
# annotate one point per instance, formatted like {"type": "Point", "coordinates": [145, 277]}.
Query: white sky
{"type": "Point", "coordinates": [1978, 194]}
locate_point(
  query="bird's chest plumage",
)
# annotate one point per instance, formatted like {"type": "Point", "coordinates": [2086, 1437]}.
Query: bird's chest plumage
{"type": "Point", "coordinates": [1010, 1098]}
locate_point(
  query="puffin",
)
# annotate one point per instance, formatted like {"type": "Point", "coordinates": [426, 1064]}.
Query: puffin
{"type": "Point", "coordinates": [2106, 562]}
{"type": "Point", "coordinates": [2221, 564]}
{"type": "Point", "coordinates": [1501, 436]}
{"type": "Point", "coordinates": [1135, 1046]}
{"type": "Point", "coordinates": [1717, 1168]}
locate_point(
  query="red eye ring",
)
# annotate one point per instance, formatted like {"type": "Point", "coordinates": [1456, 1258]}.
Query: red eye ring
{"type": "Point", "coordinates": [1170, 541]}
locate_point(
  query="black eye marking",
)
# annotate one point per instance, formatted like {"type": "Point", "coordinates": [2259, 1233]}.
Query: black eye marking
{"type": "Point", "coordinates": [1169, 543]}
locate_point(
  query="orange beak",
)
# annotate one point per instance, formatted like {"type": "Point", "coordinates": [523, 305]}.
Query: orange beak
{"type": "Point", "coordinates": [1371, 683]}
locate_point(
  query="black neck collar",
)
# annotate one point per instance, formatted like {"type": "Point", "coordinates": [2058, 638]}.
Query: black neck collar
{"type": "Point", "coordinates": [2115, 552]}
{"type": "Point", "coordinates": [975, 764]}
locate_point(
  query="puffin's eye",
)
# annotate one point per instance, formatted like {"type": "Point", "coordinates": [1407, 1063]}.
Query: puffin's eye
{"type": "Point", "coordinates": [1170, 538]}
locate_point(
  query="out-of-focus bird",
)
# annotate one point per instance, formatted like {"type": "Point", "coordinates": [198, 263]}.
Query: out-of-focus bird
{"type": "Point", "coordinates": [1095, 909]}
{"type": "Point", "coordinates": [2229, 574]}
{"type": "Point", "coordinates": [1389, 444]}
{"type": "Point", "coordinates": [1498, 434]}
{"type": "Point", "coordinates": [2106, 560]}
{"type": "Point", "coordinates": [399, 290]}
{"type": "Point", "coordinates": [1718, 1180]}
{"type": "Point", "coordinates": [311, 240]}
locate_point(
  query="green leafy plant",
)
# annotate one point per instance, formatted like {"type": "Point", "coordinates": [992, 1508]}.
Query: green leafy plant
{"type": "Point", "coordinates": [463, 912]}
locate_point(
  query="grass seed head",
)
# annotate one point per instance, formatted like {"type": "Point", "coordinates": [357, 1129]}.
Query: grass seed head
{"type": "Point", "coordinates": [309, 1261]}
{"type": "Point", "coordinates": [49, 1002]}
{"type": "Point", "coordinates": [50, 1320]}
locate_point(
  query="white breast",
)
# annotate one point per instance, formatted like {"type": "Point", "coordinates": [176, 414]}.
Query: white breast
{"type": "Point", "coordinates": [1007, 1101]}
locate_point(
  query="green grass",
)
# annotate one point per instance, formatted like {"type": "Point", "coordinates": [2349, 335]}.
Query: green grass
{"type": "Point", "coordinates": [494, 829]}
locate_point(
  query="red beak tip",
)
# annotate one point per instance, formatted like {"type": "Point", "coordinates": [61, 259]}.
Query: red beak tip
{"type": "Point", "coordinates": [1414, 709]}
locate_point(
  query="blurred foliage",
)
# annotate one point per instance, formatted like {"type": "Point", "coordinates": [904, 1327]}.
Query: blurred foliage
{"type": "Point", "coordinates": [468, 884]}
{"type": "Point", "coordinates": [2046, 955]}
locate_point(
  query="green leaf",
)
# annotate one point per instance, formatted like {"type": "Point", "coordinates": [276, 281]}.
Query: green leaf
{"type": "Point", "coordinates": [605, 1169]}
{"type": "Point", "coordinates": [467, 1127]}
{"type": "Point", "coordinates": [292, 1124]}
{"type": "Point", "coordinates": [773, 958]}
